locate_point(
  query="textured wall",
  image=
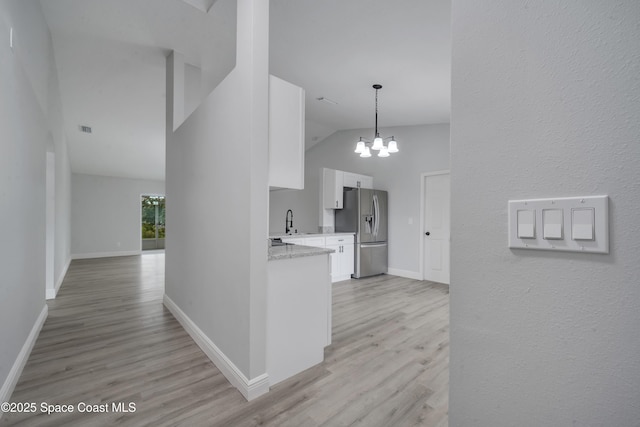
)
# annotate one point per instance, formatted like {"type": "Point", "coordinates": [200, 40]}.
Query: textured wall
{"type": "Point", "coordinates": [545, 102]}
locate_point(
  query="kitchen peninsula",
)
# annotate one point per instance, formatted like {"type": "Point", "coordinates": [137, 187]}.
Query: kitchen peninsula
{"type": "Point", "coordinates": [298, 309]}
{"type": "Point", "coordinates": [342, 259]}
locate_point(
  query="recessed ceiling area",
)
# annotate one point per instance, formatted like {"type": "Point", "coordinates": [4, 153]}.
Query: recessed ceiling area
{"type": "Point", "coordinates": [110, 59]}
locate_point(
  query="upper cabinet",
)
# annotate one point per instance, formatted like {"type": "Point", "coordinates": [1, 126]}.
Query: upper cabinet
{"type": "Point", "coordinates": [357, 181]}
{"type": "Point", "coordinates": [332, 186]}
{"type": "Point", "coordinates": [286, 134]}
{"type": "Point", "coordinates": [334, 182]}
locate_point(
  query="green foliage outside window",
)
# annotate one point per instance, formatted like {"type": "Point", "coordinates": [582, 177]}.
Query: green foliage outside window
{"type": "Point", "coordinates": [152, 205]}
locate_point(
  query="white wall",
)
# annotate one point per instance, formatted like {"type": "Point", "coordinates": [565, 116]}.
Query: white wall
{"type": "Point", "coordinates": [106, 214]}
{"type": "Point", "coordinates": [62, 179]}
{"type": "Point", "coordinates": [30, 124]}
{"type": "Point", "coordinates": [545, 103]}
{"type": "Point", "coordinates": [192, 88]}
{"type": "Point", "coordinates": [423, 148]}
{"type": "Point", "coordinates": [216, 247]}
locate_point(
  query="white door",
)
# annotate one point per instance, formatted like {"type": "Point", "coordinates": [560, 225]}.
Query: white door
{"type": "Point", "coordinates": [436, 238]}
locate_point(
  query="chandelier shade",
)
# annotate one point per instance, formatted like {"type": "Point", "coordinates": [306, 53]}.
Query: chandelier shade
{"type": "Point", "coordinates": [393, 146]}
{"type": "Point", "coordinates": [364, 146]}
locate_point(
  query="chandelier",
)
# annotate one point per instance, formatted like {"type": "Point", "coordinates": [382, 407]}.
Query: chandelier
{"type": "Point", "coordinates": [364, 146]}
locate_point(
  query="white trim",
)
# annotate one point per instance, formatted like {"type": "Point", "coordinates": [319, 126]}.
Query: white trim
{"type": "Point", "coordinates": [422, 179]}
{"type": "Point", "coordinates": [250, 389]}
{"type": "Point", "coordinates": [16, 370]}
{"type": "Point", "coordinates": [51, 293]}
{"type": "Point", "coordinates": [405, 273]}
{"type": "Point", "coordinates": [105, 254]}
{"type": "Point", "coordinates": [340, 278]}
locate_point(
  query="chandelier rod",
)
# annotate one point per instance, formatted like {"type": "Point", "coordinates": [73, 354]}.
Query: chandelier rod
{"type": "Point", "coordinates": [376, 113]}
{"type": "Point", "coordinates": [376, 87]}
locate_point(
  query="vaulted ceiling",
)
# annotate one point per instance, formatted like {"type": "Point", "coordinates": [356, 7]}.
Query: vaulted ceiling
{"type": "Point", "coordinates": [111, 66]}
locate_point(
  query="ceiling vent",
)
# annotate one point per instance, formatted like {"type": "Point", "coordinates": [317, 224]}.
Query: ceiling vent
{"type": "Point", "coordinates": [203, 5]}
{"type": "Point", "coordinates": [85, 129]}
{"type": "Point", "coordinates": [327, 100]}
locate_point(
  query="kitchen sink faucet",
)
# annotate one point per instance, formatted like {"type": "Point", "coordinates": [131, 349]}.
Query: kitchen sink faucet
{"type": "Point", "coordinates": [288, 222]}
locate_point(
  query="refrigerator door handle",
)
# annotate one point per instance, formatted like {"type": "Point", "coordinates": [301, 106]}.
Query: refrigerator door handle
{"type": "Point", "coordinates": [372, 245]}
{"type": "Point", "coordinates": [376, 215]}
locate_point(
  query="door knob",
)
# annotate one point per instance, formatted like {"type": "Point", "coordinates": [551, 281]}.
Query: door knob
{"type": "Point", "coordinates": [427, 233]}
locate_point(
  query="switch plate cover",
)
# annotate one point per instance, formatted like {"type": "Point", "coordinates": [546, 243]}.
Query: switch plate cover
{"type": "Point", "coordinates": [549, 211]}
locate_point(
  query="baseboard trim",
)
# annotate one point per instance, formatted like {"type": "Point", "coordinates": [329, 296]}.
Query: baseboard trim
{"type": "Point", "coordinates": [340, 278]}
{"type": "Point", "coordinates": [16, 370]}
{"type": "Point", "coordinates": [250, 389]}
{"type": "Point", "coordinates": [51, 293]}
{"type": "Point", "coordinates": [404, 273]}
{"type": "Point", "coordinates": [105, 254]}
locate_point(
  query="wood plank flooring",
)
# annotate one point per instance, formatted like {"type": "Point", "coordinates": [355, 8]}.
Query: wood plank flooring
{"type": "Point", "coordinates": [108, 338]}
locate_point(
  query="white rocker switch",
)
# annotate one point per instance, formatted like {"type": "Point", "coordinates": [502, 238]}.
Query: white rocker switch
{"type": "Point", "coordinates": [582, 223]}
{"type": "Point", "coordinates": [552, 221]}
{"type": "Point", "coordinates": [526, 224]}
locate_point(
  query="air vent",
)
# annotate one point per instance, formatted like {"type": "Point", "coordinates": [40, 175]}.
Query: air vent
{"type": "Point", "coordinates": [85, 129]}
{"type": "Point", "coordinates": [327, 100]}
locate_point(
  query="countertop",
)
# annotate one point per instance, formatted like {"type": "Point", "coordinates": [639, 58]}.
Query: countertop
{"type": "Point", "coordinates": [295, 251]}
{"type": "Point", "coordinates": [303, 235]}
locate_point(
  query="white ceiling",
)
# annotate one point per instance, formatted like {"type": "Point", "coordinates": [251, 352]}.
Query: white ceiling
{"type": "Point", "coordinates": [111, 65]}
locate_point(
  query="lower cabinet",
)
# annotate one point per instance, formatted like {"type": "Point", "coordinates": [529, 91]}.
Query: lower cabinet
{"type": "Point", "coordinates": [342, 260]}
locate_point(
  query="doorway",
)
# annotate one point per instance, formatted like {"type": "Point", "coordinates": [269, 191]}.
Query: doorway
{"type": "Point", "coordinates": [153, 222]}
{"type": "Point", "coordinates": [436, 226]}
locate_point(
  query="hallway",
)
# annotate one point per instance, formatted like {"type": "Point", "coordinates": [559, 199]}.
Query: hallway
{"type": "Point", "coordinates": [109, 341]}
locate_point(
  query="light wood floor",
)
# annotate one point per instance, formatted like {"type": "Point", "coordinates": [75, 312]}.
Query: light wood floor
{"type": "Point", "coordinates": [108, 338]}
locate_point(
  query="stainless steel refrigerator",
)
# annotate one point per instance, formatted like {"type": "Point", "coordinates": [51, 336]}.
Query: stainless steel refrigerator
{"type": "Point", "coordinates": [364, 213]}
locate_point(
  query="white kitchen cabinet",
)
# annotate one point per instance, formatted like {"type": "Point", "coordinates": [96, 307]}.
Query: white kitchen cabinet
{"type": "Point", "coordinates": [286, 134]}
{"type": "Point", "coordinates": [366, 181]}
{"type": "Point", "coordinates": [294, 240]}
{"type": "Point", "coordinates": [332, 188]}
{"type": "Point", "coordinates": [318, 242]}
{"type": "Point", "coordinates": [355, 180]}
{"type": "Point", "coordinates": [342, 259]}
{"type": "Point", "coordinates": [334, 182]}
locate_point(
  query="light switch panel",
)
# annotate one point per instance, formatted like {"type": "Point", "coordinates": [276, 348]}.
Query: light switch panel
{"type": "Point", "coordinates": [552, 224]}
{"type": "Point", "coordinates": [585, 219]}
